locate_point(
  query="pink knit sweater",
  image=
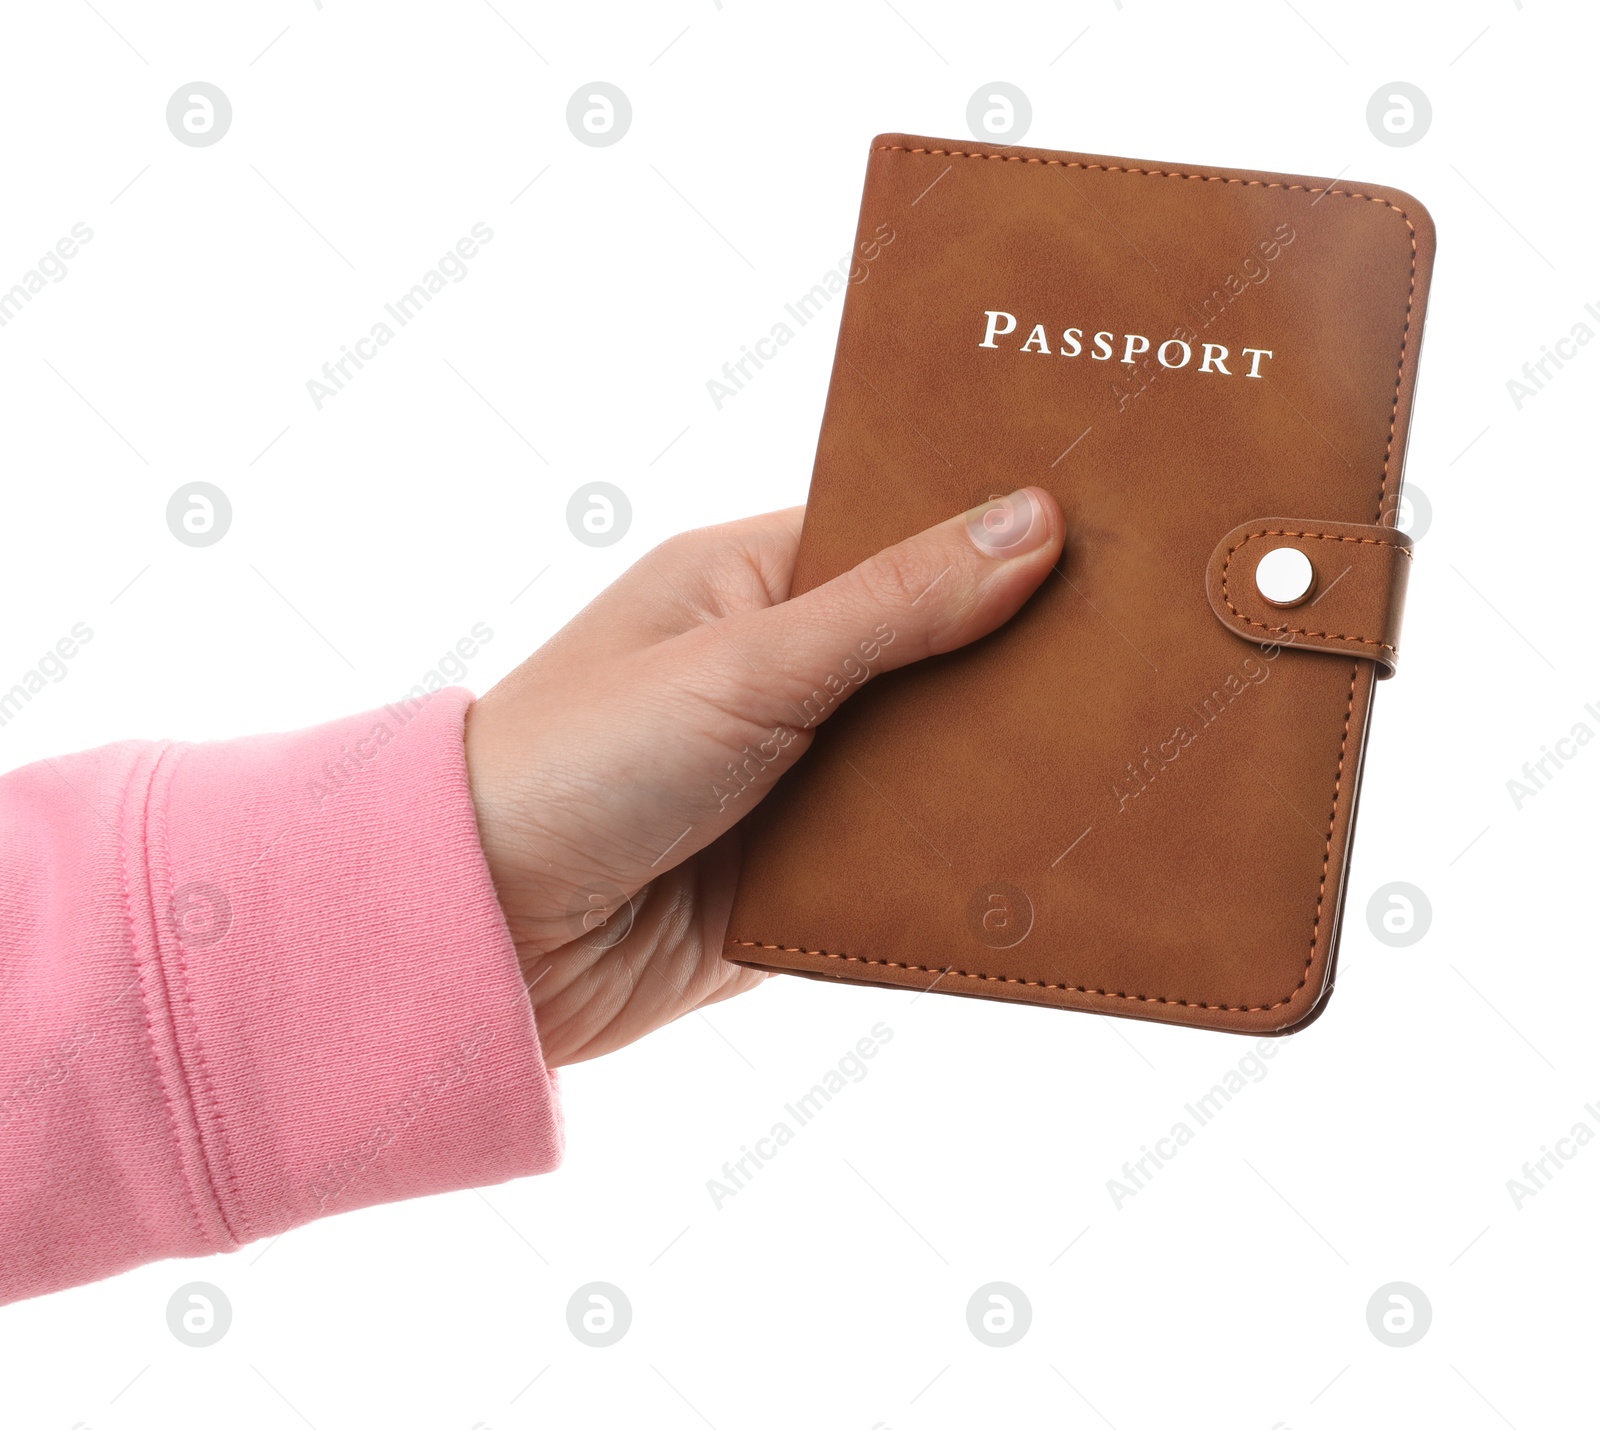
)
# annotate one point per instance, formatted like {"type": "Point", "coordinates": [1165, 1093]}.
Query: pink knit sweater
{"type": "Point", "coordinates": [247, 984]}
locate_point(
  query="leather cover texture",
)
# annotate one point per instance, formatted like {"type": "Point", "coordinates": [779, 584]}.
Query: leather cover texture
{"type": "Point", "coordinates": [1138, 796]}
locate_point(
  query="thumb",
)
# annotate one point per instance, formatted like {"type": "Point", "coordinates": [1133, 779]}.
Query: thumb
{"type": "Point", "coordinates": [938, 590]}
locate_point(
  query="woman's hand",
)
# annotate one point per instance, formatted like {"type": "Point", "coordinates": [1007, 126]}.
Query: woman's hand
{"type": "Point", "coordinates": [609, 769]}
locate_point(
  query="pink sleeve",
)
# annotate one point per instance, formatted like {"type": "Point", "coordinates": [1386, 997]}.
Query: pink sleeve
{"type": "Point", "coordinates": [247, 984]}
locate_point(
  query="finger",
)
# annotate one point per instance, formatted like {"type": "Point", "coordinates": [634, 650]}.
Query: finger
{"type": "Point", "coordinates": [702, 575]}
{"type": "Point", "coordinates": [737, 980]}
{"type": "Point", "coordinates": [937, 591]}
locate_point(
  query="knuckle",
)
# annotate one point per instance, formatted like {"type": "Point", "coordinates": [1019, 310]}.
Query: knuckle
{"type": "Point", "coordinates": [894, 578]}
{"type": "Point", "coordinates": [681, 549]}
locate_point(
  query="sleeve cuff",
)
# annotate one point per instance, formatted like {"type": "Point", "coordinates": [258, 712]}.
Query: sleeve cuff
{"type": "Point", "coordinates": [337, 997]}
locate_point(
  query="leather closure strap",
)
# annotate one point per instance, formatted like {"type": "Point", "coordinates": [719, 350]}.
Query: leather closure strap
{"type": "Point", "coordinates": [1351, 606]}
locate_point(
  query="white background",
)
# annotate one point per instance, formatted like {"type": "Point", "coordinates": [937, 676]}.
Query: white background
{"type": "Point", "coordinates": [365, 141]}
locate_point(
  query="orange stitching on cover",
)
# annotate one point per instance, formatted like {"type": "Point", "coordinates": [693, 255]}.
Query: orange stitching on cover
{"type": "Point", "coordinates": [1333, 816]}
{"type": "Point", "coordinates": [1300, 630]}
{"type": "Point", "coordinates": [1355, 668]}
{"type": "Point", "coordinates": [1000, 978]}
{"type": "Point", "coordinates": [1164, 174]}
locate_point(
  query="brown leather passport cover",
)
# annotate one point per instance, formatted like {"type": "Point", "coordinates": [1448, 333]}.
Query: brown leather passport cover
{"type": "Point", "coordinates": [1137, 797]}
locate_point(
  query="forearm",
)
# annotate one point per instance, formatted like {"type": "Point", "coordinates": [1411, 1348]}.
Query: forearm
{"type": "Point", "coordinates": [248, 984]}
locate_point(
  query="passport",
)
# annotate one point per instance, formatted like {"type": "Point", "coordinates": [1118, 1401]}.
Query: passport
{"type": "Point", "coordinates": [1138, 796]}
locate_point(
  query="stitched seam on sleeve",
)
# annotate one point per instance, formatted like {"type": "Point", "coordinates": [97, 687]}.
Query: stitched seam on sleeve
{"type": "Point", "coordinates": [1355, 669]}
{"type": "Point", "coordinates": [202, 1092]}
{"type": "Point", "coordinates": [138, 789]}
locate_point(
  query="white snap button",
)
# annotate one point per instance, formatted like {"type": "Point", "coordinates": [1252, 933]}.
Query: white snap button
{"type": "Point", "coordinates": [1285, 575]}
